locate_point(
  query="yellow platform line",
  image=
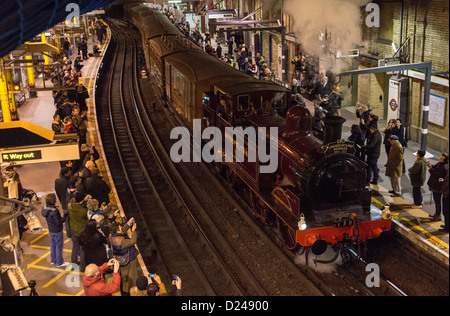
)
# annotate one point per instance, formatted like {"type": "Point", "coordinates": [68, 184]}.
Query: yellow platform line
{"type": "Point", "coordinates": [431, 236]}
{"type": "Point", "coordinates": [63, 294]}
{"type": "Point", "coordinates": [54, 279]}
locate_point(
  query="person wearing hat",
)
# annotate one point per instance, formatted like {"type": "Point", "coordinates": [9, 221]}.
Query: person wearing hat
{"type": "Point", "coordinates": [373, 150]}
{"type": "Point", "coordinates": [394, 165]}
{"type": "Point", "coordinates": [78, 219]}
{"type": "Point", "coordinates": [417, 175]}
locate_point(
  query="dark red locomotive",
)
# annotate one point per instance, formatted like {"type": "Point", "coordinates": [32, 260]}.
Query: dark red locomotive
{"type": "Point", "coordinates": [318, 194]}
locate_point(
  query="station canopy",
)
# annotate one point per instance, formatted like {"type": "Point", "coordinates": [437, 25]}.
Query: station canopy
{"type": "Point", "coordinates": [23, 133]}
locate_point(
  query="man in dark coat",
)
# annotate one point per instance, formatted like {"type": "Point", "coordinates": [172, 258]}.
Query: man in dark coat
{"type": "Point", "coordinates": [373, 149]}
{"type": "Point", "coordinates": [97, 187]}
{"type": "Point", "coordinates": [417, 175]}
{"type": "Point", "coordinates": [62, 184]}
{"type": "Point", "coordinates": [437, 172]}
{"type": "Point", "coordinates": [363, 113]}
{"type": "Point", "coordinates": [326, 88]}
{"type": "Point", "coordinates": [83, 47]}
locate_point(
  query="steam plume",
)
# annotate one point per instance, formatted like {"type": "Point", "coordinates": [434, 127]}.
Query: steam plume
{"type": "Point", "coordinates": [339, 18]}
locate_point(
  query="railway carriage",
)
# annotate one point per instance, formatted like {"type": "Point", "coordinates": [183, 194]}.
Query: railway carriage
{"type": "Point", "coordinates": [318, 194]}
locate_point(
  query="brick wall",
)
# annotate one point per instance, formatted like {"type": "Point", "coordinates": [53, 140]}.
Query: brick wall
{"type": "Point", "coordinates": [426, 23]}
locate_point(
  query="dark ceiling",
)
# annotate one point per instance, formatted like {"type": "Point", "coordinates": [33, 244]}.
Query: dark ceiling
{"type": "Point", "coordinates": [21, 20]}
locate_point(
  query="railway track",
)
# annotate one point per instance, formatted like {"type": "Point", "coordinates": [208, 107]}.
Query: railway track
{"type": "Point", "coordinates": [171, 221]}
{"type": "Point", "coordinates": [196, 233]}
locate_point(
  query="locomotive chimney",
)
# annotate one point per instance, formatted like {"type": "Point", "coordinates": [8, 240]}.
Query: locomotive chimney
{"type": "Point", "coordinates": [333, 128]}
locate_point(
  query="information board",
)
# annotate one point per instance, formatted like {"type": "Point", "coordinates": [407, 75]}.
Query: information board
{"type": "Point", "coordinates": [437, 110]}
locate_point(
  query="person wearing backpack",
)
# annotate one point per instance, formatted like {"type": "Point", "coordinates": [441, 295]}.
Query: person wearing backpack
{"type": "Point", "coordinates": [124, 250]}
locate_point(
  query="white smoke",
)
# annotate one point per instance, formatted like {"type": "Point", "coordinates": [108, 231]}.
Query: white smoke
{"type": "Point", "coordinates": [339, 19]}
{"type": "Point", "coordinates": [301, 257]}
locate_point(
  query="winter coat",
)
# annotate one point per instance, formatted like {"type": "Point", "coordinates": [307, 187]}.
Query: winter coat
{"type": "Point", "coordinates": [436, 172]}
{"type": "Point", "coordinates": [94, 250]}
{"type": "Point", "coordinates": [98, 188]}
{"type": "Point", "coordinates": [394, 167]}
{"type": "Point", "coordinates": [401, 134]}
{"type": "Point", "coordinates": [418, 173]}
{"type": "Point", "coordinates": [373, 147]}
{"type": "Point", "coordinates": [78, 218]}
{"type": "Point", "coordinates": [445, 185]}
{"type": "Point", "coordinates": [121, 244]}
{"type": "Point", "coordinates": [98, 287]}
{"type": "Point", "coordinates": [54, 220]}
{"type": "Point", "coordinates": [61, 186]}
{"type": "Point", "coordinates": [359, 144]}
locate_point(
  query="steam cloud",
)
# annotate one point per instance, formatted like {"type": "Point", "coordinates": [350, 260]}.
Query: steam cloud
{"type": "Point", "coordinates": [340, 18]}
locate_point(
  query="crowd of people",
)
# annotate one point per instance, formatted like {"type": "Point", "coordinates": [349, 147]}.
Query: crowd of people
{"type": "Point", "coordinates": [237, 54]}
{"type": "Point", "coordinates": [327, 97]}
{"type": "Point", "coordinates": [103, 240]}
{"type": "Point", "coordinates": [368, 141]}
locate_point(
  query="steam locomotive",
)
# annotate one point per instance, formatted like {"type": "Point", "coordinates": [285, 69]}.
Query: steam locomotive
{"type": "Point", "coordinates": [318, 195]}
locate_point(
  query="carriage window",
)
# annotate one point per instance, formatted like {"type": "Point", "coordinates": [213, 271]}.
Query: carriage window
{"type": "Point", "coordinates": [243, 103]}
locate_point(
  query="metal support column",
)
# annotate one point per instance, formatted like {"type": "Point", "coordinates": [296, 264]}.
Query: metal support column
{"type": "Point", "coordinates": [4, 98]}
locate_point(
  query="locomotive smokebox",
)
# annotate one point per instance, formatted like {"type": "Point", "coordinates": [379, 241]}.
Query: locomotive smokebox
{"type": "Point", "coordinates": [333, 128]}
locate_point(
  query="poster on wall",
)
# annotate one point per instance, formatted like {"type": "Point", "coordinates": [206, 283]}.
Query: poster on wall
{"type": "Point", "coordinates": [394, 100]}
{"type": "Point", "coordinates": [437, 110]}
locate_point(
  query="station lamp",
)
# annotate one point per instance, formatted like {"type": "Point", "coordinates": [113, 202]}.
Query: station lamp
{"type": "Point", "coordinates": [16, 86]}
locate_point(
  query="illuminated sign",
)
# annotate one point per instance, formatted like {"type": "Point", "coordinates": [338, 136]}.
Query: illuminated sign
{"type": "Point", "coordinates": [21, 156]}
{"type": "Point", "coordinates": [39, 154]}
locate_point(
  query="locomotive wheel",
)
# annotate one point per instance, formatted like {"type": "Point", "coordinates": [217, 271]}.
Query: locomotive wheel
{"type": "Point", "coordinates": [287, 235]}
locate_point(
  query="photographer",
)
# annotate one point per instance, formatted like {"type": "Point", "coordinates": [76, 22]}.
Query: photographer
{"type": "Point", "coordinates": [124, 250]}
{"type": "Point", "coordinates": [94, 282]}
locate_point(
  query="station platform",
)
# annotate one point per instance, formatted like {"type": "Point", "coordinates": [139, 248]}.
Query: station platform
{"type": "Point", "coordinates": [50, 280]}
{"type": "Point", "coordinates": [412, 223]}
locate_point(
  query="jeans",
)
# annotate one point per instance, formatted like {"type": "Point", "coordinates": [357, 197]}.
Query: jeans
{"type": "Point", "coordinates": [56, 248]}
{"type": "Point", "coordinates": [372, 166]}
